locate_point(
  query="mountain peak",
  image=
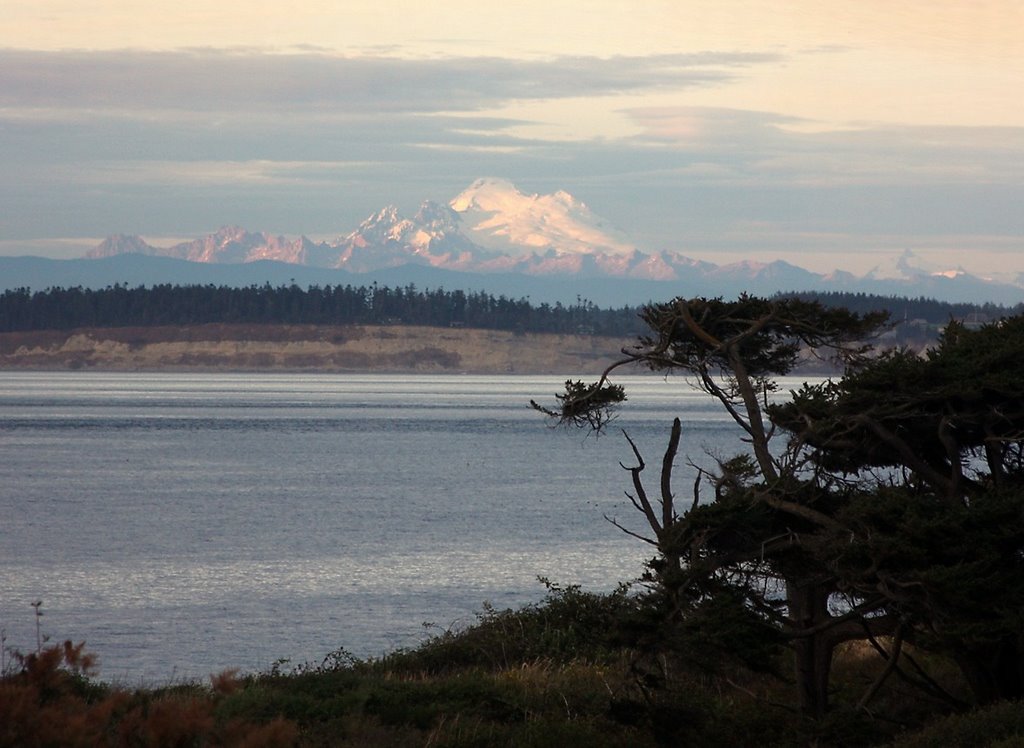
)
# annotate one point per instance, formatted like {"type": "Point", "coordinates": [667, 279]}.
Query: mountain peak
{"type": "Point", "coordinates": [488, 194]}
{"type": "Point", "coordinates": [386, 215]}
{"type": "Point", "coordinates": [120, 244]}
{"type": "Point", "coordinates": [497, 216]}
{"type": "Point", "coordinates": [436, 216]}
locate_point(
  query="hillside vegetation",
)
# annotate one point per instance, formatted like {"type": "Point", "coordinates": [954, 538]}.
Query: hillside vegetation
{"type": "Point", "coordinates": [572, 670]}
{"type": "Point", "coordinates": [326, 348]}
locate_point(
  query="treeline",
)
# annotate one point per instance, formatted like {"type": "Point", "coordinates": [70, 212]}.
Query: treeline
{"type": "Point", "coordinates": [166, 304]}
{"type": "Point", "coordinates": [121, 306]}
{"type": "Point", "coordinates": [905, 309]}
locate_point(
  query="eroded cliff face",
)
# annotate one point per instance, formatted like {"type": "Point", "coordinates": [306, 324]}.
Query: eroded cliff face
{"type": "Point", "coordinates": [308, 348]}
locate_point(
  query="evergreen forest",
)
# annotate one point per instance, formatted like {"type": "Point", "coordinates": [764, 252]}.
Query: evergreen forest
{"type": "Point", "coordinates": [22, 309]}
{"type": "Point", "coordinates": [120, 306]}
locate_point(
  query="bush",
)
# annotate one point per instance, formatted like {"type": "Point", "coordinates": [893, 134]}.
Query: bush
{"type": "Point", "coordinates": [50, 701]}
{"type": "Point", "coordinates": [997, 725]}
{"type": "Point", "coordinates": [568, 625]}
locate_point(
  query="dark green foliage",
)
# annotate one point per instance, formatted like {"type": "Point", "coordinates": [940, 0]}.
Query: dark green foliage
{"type": "Point", "coordinates": [895, 508]}
{"type": "Point", "coordinates": [952, 572]}
{"type": "Point", "coordinates": [963, 400]}
{"type": "Point", "coordinates": [721, 633]}
{"type": "Point", "coordinates": [936, 535]}
{"type": "Point", "coordinates": [555, 673]}
{"type": "Point", "coordinates": [733, 349]}
{"type": "Point", "coordinates": [583, 404]}
{"type": "Point", "coordinates": [996, 726]}
{"type": "Point", "coordinates": [766, 335]}
{"type": "Point", "coordinates": [120, 306]}
{"type": "Point", "coordinates": [569, 625]}
{"type": "Point", "coordinates": [586, 690]}
{"type": "Point", "coordinates": [902, 308]}
{"type": "Point", "coordinates": [956, 568]}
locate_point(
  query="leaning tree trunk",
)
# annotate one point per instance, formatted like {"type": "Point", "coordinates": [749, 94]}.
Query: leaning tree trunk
{"type": "Point", "coordinates": [812, 646]}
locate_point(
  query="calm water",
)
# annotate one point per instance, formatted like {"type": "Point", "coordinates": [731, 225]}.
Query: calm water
{"type": "Point", "coordinates": [183, 524]}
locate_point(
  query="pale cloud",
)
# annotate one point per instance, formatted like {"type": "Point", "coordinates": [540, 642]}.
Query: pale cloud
{"type": "Point", "coordinates": [702, 126]}
{"type": "Point", "coordinates": [764, 146]}
{"type": "Point", "coordinates": [225, 174]}
{"type": "Point", "coordinates": [232, 82]}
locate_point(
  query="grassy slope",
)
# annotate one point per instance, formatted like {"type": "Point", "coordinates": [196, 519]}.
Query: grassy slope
{"type": "Point", "coordinates": [552, 674]}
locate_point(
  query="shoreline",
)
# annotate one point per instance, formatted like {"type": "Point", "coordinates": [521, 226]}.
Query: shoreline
{"type": "Point", "coordinates": [308, 348]}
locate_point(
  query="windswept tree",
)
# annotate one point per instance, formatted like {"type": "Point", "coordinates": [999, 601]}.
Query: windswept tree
{"type": "Point", "coordinates": [935, 446]}
{"type": "Point", "coordinates": [887, 502]}
{"type": "Point", "coordinates": [750, 555]}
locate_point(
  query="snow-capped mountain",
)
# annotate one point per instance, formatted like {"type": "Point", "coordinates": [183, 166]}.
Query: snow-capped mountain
{"type": "Point", "coordinates": [122, 244]}
{"type": "Point", "coordinates": [230, 244]}
{"type": "Point", "coordinates": [492, 227]}
{"type": "Point", "coordinates": [489, 227]}
{"type": "Point", "coordinates": [497, 216]}
{"type": "Point", "coordinates": [386, 239]}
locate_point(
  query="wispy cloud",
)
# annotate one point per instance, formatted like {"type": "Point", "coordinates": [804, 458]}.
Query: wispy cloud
{"type": "Point", "coordinates": [197, 174]}
{"type": "Point", "coordinates": [220, 81]}
{"type": "Point", "coordinates": [768, 148]}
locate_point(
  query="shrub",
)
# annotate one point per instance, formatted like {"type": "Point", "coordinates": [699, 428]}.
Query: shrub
{"type": "Point", "coordinates": [567, 625]}
{"type": "Point", "coordinates": [1001, 725]}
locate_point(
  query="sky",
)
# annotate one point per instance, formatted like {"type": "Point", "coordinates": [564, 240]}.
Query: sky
{"type": "Point", "coordinates": [830, 134]}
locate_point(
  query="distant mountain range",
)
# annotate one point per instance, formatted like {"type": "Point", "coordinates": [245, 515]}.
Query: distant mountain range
{"type": "Point", "coordinates": [489, 237]}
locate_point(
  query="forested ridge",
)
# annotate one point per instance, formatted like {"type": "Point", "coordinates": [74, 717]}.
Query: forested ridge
{"type": "Point", "coordinates": [930, 310]}
{"type": "Point", "coordinates": [120, 306]}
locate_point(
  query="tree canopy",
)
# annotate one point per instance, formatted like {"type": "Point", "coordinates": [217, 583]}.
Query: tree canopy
{"type": "Point", "coordinates": [886, 505]}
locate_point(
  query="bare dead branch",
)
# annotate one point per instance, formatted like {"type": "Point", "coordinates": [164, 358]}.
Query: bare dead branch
{"type": "Point", "coordinates": [638, 486]}
{"type": "Point", "coordinates": [629, 532]}
{"type": "Point", "coordinates": [667, 509]}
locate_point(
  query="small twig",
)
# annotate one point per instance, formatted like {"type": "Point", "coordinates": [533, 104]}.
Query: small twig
{"type": "Point", "coordinates": [630, 532]}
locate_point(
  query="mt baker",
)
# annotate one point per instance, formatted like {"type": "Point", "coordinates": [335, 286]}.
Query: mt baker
{"type": "Point", "coordinates": [492, 228]}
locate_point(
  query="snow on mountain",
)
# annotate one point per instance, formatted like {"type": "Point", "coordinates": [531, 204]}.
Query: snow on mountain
{"type": "Point", "coordinates": [489, 227]}
{"type": "Point", "coordinates": [499, 217]}
{"type": "Point", "coordinates": [228, 245]}
{"type": "Point", "coordinates": [387, 239]}
{"type": "Point", "coordinates": [908, 267]}
{"type": "Point", "coordinates": [762, 277]}
{"type": "Point", "coordinates": [121, 244]}
{"type": "Point", "coordinates": [905, 266]}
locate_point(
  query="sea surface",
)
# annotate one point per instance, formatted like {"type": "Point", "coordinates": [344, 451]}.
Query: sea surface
{"type": "Point", "coordinates": [182, 524]}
